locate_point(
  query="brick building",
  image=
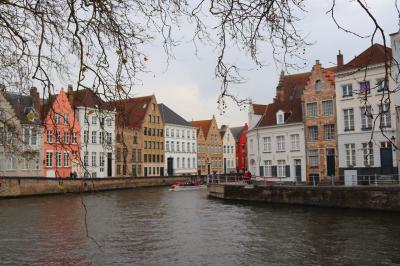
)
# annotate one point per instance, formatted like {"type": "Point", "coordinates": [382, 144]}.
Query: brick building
{"type": "Point", "coordinates": [320, 123]}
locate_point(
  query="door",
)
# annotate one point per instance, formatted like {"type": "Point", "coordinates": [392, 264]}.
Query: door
{"type": "Point", "coordinates": [170, 166]}
{"type": "Point", "coordinates": [350, 177]}
{"type": "Point", "coordinates": [386, 158]}
{"type": "Point", "coordinates": [109, 164]}
{"type": "Point", "coordinates": [224, 165]}
{"type": "Point", "coordinates": [330, 162]}
{"type": "Point", "coordinates": [297, 164]}
{"type": "Point", "coordinates": [208, 169]}
{"type": "Point", "coordinates": [161, 171]}
{"type": "Point", "coordinates": [145, 171]}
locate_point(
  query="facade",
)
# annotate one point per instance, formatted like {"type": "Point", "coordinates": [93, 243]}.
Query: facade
{"type": "Point", "coordinates": [365, 123]}
{"type": "Point", "coordinates": [275, 146]}
{"type": "Point", "coordinates": [210, 156]}
{"type": "Point", "coordinates": [21, 135]}
{"type": "Point", "coordinates": [395, 78]}
{"type": "Point", "coordinates": [239, 133]}
{"type": "Point", "coordinates": [229, 151]}
{"type": "Point", "coordinates": [97, 125]}
{"type": "Point", "coordinates": [180, 143]}
{"type": "Point", "coordinates": [139, 138]}
{"type": "Point", "coordinates": [320, 124]}
{"type": "Point", "coordinates": [61, 136]}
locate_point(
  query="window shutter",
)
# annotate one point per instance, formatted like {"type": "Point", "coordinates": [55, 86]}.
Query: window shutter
{"type": "Point", "coordinates": [274, 171]}
{"type": "Point", "coordinates": [261, 170]}
{"type": "Point", "coordinates": [287, 171]}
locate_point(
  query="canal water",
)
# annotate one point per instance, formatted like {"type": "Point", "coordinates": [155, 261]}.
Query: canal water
{"type": "Point", "coordinates": [156, 227]}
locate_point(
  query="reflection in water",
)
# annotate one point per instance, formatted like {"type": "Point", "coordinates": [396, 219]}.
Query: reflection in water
{"type": "Point", "coordinates": [156, 227]}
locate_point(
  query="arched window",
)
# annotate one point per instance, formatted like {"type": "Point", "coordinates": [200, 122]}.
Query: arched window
{"type": "Point", "coordinates": [280, 117]}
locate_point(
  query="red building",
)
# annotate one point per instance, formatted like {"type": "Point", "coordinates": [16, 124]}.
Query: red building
{"type": "Point", "coordinates": [239, 133]}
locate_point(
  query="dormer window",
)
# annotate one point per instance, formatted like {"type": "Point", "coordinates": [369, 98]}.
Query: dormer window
{"type": "Point", "coordinates": [280, 117]}
{"type": "Point", "coordinates": [318, 85]}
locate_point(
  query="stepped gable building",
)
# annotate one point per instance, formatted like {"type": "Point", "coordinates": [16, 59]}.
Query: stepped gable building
{"type": "Point", "coordinates": [61, 136]}
{"type": "Point", "coordinates": [21, 134]}
{"type": "Point", "coordinates": [229, 151]}
{"type": "Point", "coordinates": [256, 111]}
{"type": "Point", "coordinates": [139, 137]}
{"type": "Point", "coordinates": [275, 146]}
{"type": "Point", "coordinates": [361, 114]}
{"type": "Point", "coordinates": [97, 124]}
{"type": "Point", "coordinates": [210, 154]}
{"type": "Point", "coordinates": [239, 133]}
{"type": "Point", "coordinates": [320, 124]}
{"type": "Point", "coordinates": [180, 143]}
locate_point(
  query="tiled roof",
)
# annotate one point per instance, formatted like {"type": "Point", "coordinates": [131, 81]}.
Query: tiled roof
{"type": "Point", "coordinates": [131, 112]}
{"type": "Point", "coordinates": [259, 109]}
{"type": "Point", "coordinates": [22, 106]}
{"type": "Point", "coordinates": [47, 105]}
{"type": "Point", "coordinates": [170, 117]}
{"type": "Point", "coordinates": [203, 124]}
{"type": "Point", "coordinates": [237, 132]}
{"type": "Point", "coordinates": [375, 54]}
{"type": "Point", "coordinates": [222, 131]}
{"type": "Point", "coordinates": [293, 85]}
{"type": "Point", "coordinates": [86, 98]}
{"type": "Point", "coordinates": [291, 108]}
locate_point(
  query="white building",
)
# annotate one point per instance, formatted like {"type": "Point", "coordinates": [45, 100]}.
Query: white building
{"type": "Point", "coordinates": [256, 111]}
{"type": "Point", "coordinates": [395, 78]}
{"type": "Point", "coordinates": [275, 146]}
{"type": "Point", "coordinates": [180, 143]}
{"type": "Point", "coordinates": [97, 126]}
{"type": "Point", "coordinates": [366, 125]}
{"type": "Point", "coordinates": [229, 150]}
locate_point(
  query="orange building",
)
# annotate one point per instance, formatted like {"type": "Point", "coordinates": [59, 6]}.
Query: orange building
{"type": "Point", "coordinates": [61, 136]}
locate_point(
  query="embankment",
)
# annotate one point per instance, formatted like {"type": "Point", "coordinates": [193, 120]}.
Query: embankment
{"type": "Point", "coordinates": [30, 186]}
{"type": "Point", "coordinates": [360, 197]}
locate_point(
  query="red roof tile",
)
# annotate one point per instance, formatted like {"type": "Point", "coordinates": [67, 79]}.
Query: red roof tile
{"type": "Point", "coordinates": [85, 98]}
{"type": "Point", "coordinates": [293, 85]}
{"type": "Point", "coordinates": [375, 54]}
{"type": "Point", "coordinates": [259, 109]}
{"type": "Point", "coordinates": [291, 108]}
{"type": "Point", "coordinates": [203, 124]}
{"type": "Point", "coordinates": [131, 112]}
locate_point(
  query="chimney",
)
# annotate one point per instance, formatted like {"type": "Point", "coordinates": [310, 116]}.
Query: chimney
{"type": "Point", "coordinates": [70, 95]}
{"type": "Point", "coordinates": [339, 59]}
{"type": "Point", "coordinates": [36, 99]}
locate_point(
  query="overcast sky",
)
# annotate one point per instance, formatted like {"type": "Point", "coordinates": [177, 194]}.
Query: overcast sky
{"type": "Point", "coordinates": [189, 87]}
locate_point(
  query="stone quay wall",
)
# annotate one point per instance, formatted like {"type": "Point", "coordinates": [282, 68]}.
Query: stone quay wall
{"type": "Point", "coordinates": [361, 197]}
{"type": "Point", "coordinates": [31, 186]}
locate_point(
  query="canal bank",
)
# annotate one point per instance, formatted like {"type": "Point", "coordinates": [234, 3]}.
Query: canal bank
{"type": "Point", "coordinates": [31, 186]}
{"type": "Point", "coordinates": [360, 197]}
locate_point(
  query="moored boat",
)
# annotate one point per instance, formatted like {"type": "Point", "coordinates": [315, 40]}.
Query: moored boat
{"type": "Point", "coordinates": [183, 186]}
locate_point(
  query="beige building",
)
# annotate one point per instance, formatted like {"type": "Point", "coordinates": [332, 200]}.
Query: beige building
{"type": "Point", "coordinates": [210, 156]}
{"type": "Point", "coordinates": [21, 135]}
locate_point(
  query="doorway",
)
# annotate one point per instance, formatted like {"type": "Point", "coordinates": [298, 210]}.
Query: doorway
{"type": "Point", "coordinates": [330, 162]}
{"type": "Point", "coordinates": [170, 166]}
{"type": "Point", "coordinates": [297, 163]}
{"type": "Point", "coordinates": [109, 164]}
{"type": "Point", "coordinates": [386, 158]}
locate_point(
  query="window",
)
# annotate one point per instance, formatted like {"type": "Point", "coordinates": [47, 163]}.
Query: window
{"type": "Point", "coordinates": [313, 133]}
{"type": "Point", "coordinates": [172, 146]}
{"type": "Point", "coordinates": [268, 168]}
{"type": "Point", "coordinates": [368, 154]}
{"type": "Point", "coordinates": [193, 147]}
{"type": "Point", "coordinates": [108, 137]}
{"type": "Point", "coordinates": [178, 163]}
{"type": "Point", "coordinates": [101, 137]}
{"type": "Point", "coordinates": [109, 122]}
{"type": "Point", "coordinates": [58, 136]}
{"type": "Point", "coordinates": [172, 132]}
{"type": "Point", "coordinates": [178, 147]}
{"type": "Point", "coordinates": [94, 120]}
{"type": "Point", "coordinates": [66, 119]}
{"type": "Point", "coordinates": [66, 159]}
{"type": "Point", "coordinates": [94, 137]}
{"type": "Point", "coordinates": [267, 144]}
{"type": "Point", "coordinates": [386, 118]}
{"type": "Point", "coordinates": [347, 90]}
{"type": "Point", "coordinates": [188, 147]}
{"type": "Point", "coordinates": [66, 137]}
{"type": "Point", "coordinates": [366, 118]}
{"type": "Point", "coordinates": [74, 138]}
{"type": "Point", "coordinates": [312, 109]}
{"type": "Point", "coordinates": [183, 146]}
{"type": "Point", "coordinates": [11, 162]}
{"type": "Point", "coordinates": [194, 163]}
{"type": "Point", "coordinates": [86, 136]}
{"type": "Point", "coordinates": [280, 117]}
{"type": "Point", "coordinates": [86, 159]}
{"type": "Point", "coordinates": [34, 136]}
{"type": "Point", "coordinates": [280, 140]}
{"type": "Point", "coordinates": [281, 168]}
{"type": "Point", "coordinates": [251, 145]}
{"type": "Point", "coordinates": [25, 164]}
{"type": "Point", "coordinates": [49, 159]}
{"type": "Point", "coordinates": [167, 146]}
{"type": "Point", "coordinates": [348, 119]}
{"type": "Point", "coordinates": [26, 136]}
{"type": "Point", "coordinates": [57, 118]}
{"type": "Point", "coordinates": [313, 159]}
{"type": "Point", "coordinates": [350, 154]}
{"type": "Point", "coordinates": [329, 131]}
{"type": "Point", "coordinates": [167, 132]}
{"type": "Point", "coordinates": [49, 136]}
{"type": "Point", "coordinates": [295, 142]}
{"type": "Point", "coordinates": [381, 84]}
{"type": "Point", "coordinates": [365, 87]}
{"type": "Point", "coordinates": [327, 107]}
{"type": "Point", "coordinates": [177, 133]}
{"type": "Point", "coordinates": [59, 159]}
{"type": "Point", "coordinates": [94, 159]}
{"type": "Point", "coordinates": [318, 85]}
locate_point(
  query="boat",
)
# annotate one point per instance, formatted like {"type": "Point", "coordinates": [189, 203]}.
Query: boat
{"type": "Point", "coordinates": [184, 186]}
